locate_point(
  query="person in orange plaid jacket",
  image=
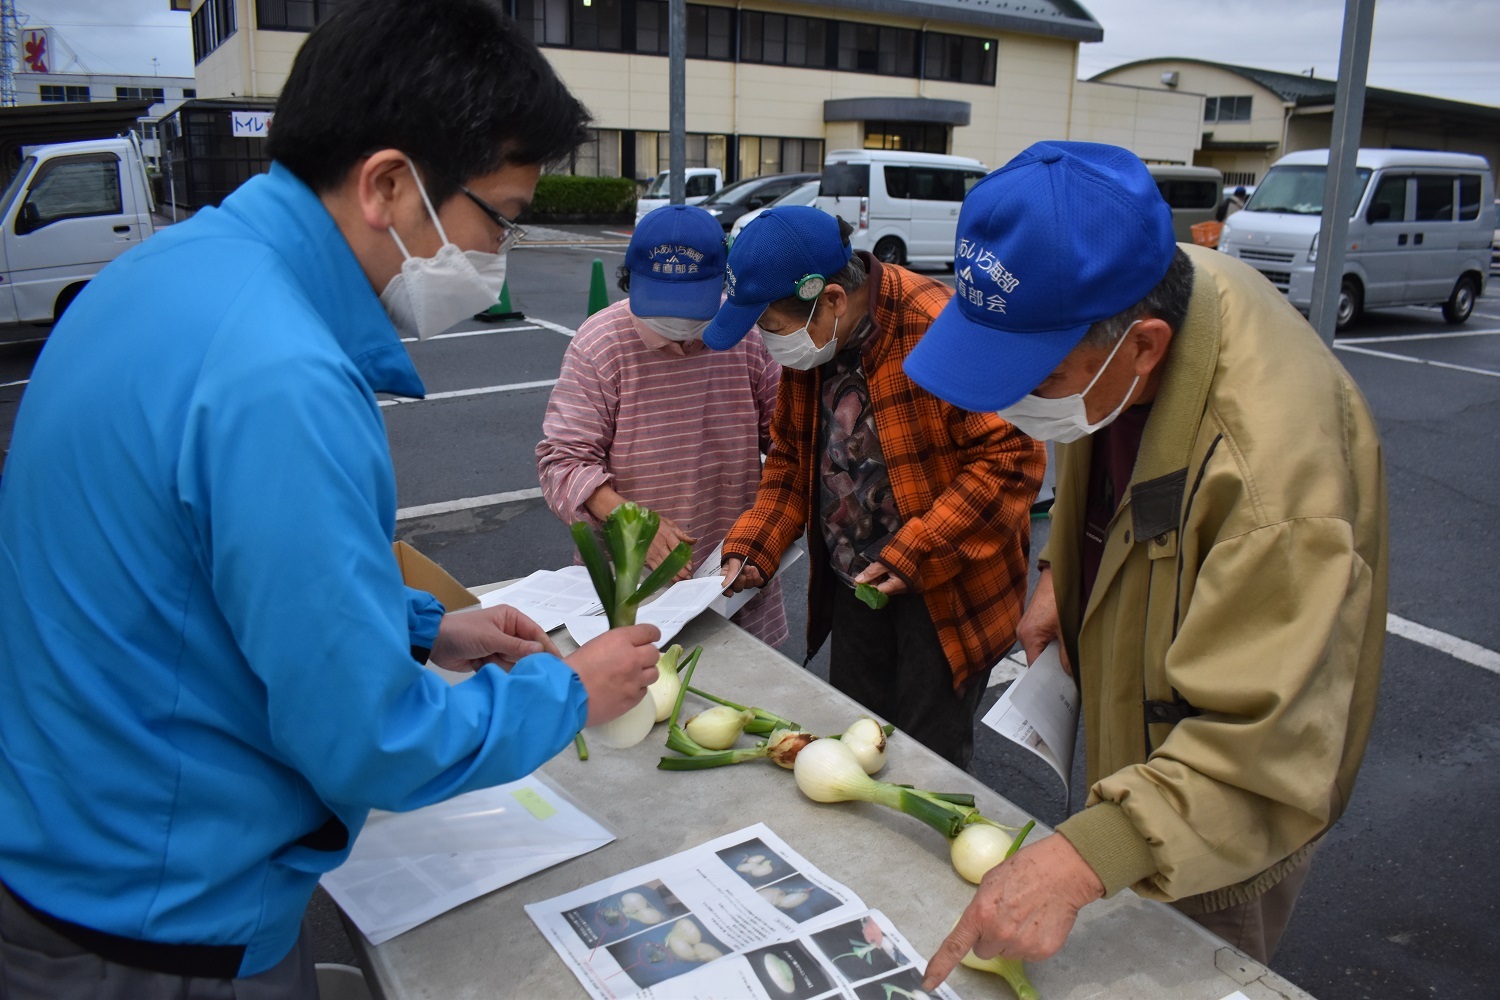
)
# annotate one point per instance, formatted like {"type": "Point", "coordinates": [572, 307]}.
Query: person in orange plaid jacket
{"type": "Point", "coordinates": [896, 489]}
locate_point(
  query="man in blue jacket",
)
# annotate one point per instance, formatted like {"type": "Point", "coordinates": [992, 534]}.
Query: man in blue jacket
{"type": "Point", "coordinates": [210, 666]}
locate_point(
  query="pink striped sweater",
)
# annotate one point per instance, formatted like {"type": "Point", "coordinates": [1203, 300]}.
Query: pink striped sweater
{"type": "Point", "coordinates": [677, 428]}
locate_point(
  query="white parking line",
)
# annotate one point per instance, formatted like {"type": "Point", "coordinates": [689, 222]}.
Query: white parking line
{"type": "Point", "coordinates": [473, 333]}
{"type": "Point", "coordinates": [7, 385]}
{"type": "Point", "coordinates": [1395, 337]}
{"type": "Point", "coordinates": [555, 327]}
{"type": "Point", "coordinates": [1415, 361]}
{"type": "Point", "coordinates": [469, 503]}
{"type": "Point", "coordinates": [485, 390]}
{"type": "Point", "coordinates": [1461, 649]}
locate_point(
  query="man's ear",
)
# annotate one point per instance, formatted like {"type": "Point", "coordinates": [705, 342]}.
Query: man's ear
{"type": "Point", "coordinates": [837, 298]}
{"type": "Point", "coordinates": [385, 188]}
{"type": "Point", "coordinates": [1152, 338]}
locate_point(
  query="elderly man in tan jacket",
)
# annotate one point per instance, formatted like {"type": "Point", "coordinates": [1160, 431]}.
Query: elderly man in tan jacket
{"type": "Point", "coordinates": [1216, 568]}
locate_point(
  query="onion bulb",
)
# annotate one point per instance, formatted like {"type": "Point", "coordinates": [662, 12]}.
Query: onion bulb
{"type": "Point", "coordinates": [629, 729]}
{"type": "Point", "coordinates": [718, 727]}
{"type": "Point", "coordinates": [1012, 970]}
{"type": "Point", "coordinates": [828, 771]}
{"type": "Point", "coordinates": [786, 744]}
{"type": "Point", "coordinates": [978, 848]}
{"type": "Point", "coordinates": [705, 952]}
{"type": "Point", "coordinates": [867, 739]}
{"type": "Point", "coordinates": [664, 689]}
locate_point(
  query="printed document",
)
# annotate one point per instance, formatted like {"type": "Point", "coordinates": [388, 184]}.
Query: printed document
{"type": "Point", "coordinates": [548, 597]}
{"type": "Point", "coordinates": [1040, 712]}
{"type": "Point", "coordinates": [407, 868]}
{"type": "Point", "coordinates": [741, 916]}
{"type": "Point", "coordinates": [669, 611]}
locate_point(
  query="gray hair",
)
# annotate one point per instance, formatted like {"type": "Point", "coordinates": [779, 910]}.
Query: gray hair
{"type": "Point", "coordinates": [851, 277]}
{"type": "Point", "coordinates": [1167, 301]}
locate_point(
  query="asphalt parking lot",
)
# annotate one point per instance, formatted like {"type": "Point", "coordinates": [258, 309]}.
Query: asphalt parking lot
{"type": "Point", "coordinates": [1404, 900]}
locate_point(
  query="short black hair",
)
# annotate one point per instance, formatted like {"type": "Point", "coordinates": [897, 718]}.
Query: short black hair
{"type": "Point", "coordinates": [454, 84]}
{"type": "Point", "coordinates": [622, 277]}
{"type": "Point", "coordinates": [851, 277]}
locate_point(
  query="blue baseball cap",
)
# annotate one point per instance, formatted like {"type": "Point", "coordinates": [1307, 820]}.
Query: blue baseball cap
{"type": "Point", "coordinates": [676, 259]}
{"type": "Point", "coordinates": [783, 252]}
{"type": "Point", "coordinates": [1061, 237]}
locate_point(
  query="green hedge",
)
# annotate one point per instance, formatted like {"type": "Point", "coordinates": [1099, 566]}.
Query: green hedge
{"type": "Point", "coordinates": [603, 199]}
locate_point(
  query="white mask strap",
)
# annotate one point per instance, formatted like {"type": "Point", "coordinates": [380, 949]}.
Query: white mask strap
{"type": "Point", "coordinates": [1107, 360]}
{"type": "Point", "coordinates": [431, 212]}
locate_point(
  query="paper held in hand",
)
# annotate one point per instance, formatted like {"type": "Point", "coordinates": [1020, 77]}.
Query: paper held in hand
{"type": "Point", "coordinates": [1040, 712]}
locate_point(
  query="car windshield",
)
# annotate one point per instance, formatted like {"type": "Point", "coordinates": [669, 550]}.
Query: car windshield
{"type": "Point", "coordinates": [802, 194]}
{"type": "Point", "coordinates": [660, 188]}
{"type": "Point", "coordinates": [733, 194]}
{"type": "Point", "coordinates": [16, 184]}
{"type": "Point", "coordinates": [1298, 190]}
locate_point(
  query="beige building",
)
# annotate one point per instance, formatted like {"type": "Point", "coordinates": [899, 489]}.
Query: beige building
{"type": "Point", "coordinates": [772, 85]}
{"type": "Point", "coordinates": [1251, 117]}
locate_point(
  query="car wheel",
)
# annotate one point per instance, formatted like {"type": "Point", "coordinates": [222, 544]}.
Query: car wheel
{"type": "Point", "coordinates": [1351, 304]}
{"type": "Point", "coordinates": [1460, 305]}
{"type": "Point", "coordinates": [66, 299]}
{"type": "Point", "coordinates": [890, 250]}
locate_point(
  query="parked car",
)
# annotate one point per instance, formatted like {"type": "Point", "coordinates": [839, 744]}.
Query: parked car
{"type": "Point", "coordinates": [71, 208]}
{"type": "Point", "coordinates": [1192, 193]}
{"type": "Point", "coordinates": [1417, 236]}
{"type": "Point", "coordinates": [803, 194]}
{"type": "Point", "coordinates": [699, 184]}
{"type": "Point", "coordinates": [1495, 242]}
{"type": "Point", "coordinates": [903, 206]}
{"type": "Point", "coordinates": [734, 200]}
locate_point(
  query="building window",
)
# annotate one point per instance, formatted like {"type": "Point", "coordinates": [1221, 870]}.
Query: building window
{"type": "Point", "coordinates": [293, 15]}
{"type": "Point", "coordinates": [55, 94]}
{"type": "Point", "coordinates": [782, 40]}
{"type": "Point", "coordinates": [710, 32]}
{"type": "Point", "coordinates": [212, 24]}
{"type": "Point", "coordinates": [872, 48]}
{"type": "Point", "coordinates": [1239, 178]}
{"type": "Point", "coordinates": [959, 58]}
{"type": "Point", "coordinates": [1226, 109]}
{"type": "Point", "coordinates": [156, 94]}
{"type": "Point", "coordinates": [652, 153]}
{"type": "Point", "coordinates": [598, 157]}
{"type": "Point", "coordinates": [188, 93]}
{"type": "Point", "coordinates": [596, 25]}
{"type": "Point", "coordinates": [910, 137]}
{"type": "Point", "coordinates": [760, 155]}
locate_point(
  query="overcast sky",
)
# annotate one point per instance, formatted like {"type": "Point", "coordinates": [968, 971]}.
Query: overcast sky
{"type": "Point", "coordinates": [1448, 48]}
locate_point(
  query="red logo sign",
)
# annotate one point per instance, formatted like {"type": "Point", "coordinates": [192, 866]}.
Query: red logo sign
{"type": "Point", "coordinates": [35, 51]}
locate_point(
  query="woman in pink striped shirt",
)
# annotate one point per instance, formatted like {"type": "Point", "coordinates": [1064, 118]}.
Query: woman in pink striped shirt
{"type": "Point", "coordinates": [642, 411]}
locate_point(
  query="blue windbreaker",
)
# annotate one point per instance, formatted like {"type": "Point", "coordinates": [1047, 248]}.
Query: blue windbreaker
{"type": "Point", "coordinates": [205, 643]}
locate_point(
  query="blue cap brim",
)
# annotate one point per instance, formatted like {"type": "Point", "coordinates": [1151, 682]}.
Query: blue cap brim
{"type": "Point", "coordinates": [977, 367]}
{"type": "Point", "coordinates": [732, 323]}
{"type": "Point", "coordinates": [651, 296]}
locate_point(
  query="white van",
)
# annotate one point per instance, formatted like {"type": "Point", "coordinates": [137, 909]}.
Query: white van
{"type": "Point", "coordinates": [698, 185]}
{"type": "Point", "coordinates": [903, 206]}
{"type": "Point", "coordinates": [1194, 195]}
{"type": "Point", "coordinates": [1420, 233]}
{"type": "Point", "coordinates": [71, 208]}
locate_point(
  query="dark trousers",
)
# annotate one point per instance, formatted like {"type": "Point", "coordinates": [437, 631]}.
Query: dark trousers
{"type": "Point", "coordinates": [891, 662]}
{"type": "Point", "coordinates": [37, 963]}
{"type": "Point", "coordinates": [1256, 927]}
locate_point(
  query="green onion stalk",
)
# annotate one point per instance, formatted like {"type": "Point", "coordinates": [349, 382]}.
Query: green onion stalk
{"type": "Point", "coordinates": [628, 532]}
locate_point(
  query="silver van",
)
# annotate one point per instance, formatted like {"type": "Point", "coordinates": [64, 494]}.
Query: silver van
{"type": "Point", "coordinates": [903, 206]}
{"type": "Point", "coordinates": [1420, 234]}
{"type": "Point", "coordinates": [1192, 193]}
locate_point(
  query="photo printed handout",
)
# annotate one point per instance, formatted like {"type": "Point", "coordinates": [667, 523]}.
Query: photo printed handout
{"type": "Point", "coordinates": [741, 916]}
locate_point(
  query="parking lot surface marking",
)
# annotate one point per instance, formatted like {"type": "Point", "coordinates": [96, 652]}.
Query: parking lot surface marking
{"type": "Point", "coordinates": [473, 333]}
{"type": "Point", "coordinates": [468, 503]}
{"type": "Point", "coordinates": [1461, 649]}
{"type": "Point", "coordinates": [1414, 361]}
{"type": "Point", "coordinates": [484, 390]}
{"type": "Point", "coordinates": [1401, 337]}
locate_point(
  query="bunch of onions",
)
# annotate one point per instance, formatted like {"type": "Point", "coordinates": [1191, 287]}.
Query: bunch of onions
{"type": "Point", "coordinates": [1012, 970]}
{"type": "Point", "coordinates": [829, 771]}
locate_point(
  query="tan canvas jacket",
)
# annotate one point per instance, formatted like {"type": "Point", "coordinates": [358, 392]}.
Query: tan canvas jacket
{"type": "Point", "coordinates": [1230, 653]}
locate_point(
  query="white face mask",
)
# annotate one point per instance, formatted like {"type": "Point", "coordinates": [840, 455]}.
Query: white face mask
{"type": "Point", "coordinates": [1064, 418]}
{"type": "Point", "coordinates": [797, 350]}
{"type": "Point", "coordinates": [430, 294]}
{"type": "Point", "coordinates": [683, 331]}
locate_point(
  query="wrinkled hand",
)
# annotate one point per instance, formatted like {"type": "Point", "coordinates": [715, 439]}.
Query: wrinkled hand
{"type": "Point", "coordinates": [467, 640]}
{"type": "Point", "coordinates": [668, 536]}
{"type": "Point", "coordinates": [616, 669]}
{"type": "Point", "coordinates": [740, 575]}
{"type": "Point", "coordinates": [1024, 909]}
{"type": "Point", "coordinates": [1041, 624]}
{"type": "Point", "coordinates": [881, 579]}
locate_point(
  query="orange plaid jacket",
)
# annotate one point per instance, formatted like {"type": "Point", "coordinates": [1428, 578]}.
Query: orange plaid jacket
{"type": "Point", "coordinates": [964, 483]}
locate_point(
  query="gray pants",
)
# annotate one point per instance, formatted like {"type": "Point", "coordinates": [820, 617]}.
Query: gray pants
{"type": "Point", "coordinates": [37, 963]}
{"type": "Point", "coordinates": [1255, 928]}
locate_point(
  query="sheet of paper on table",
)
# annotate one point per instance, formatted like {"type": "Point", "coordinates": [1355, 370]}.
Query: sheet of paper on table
{"type": "Point", "coordinates": [729, 605]}
{"type": "Point", "coordinates": [407, 868]}
{"type": "Point", "coordinates": [1040, 712]}
{"type": "Point", "coordinates": [741, 916]}
{"type": "Point", "coordinates": [672, 609]}
{"type": "Point", "coordinates": [549, 596]}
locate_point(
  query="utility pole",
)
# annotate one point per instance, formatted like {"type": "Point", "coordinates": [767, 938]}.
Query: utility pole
{"type": "Point", "coordinates": [1340, 188]}
{"type": "Point", "coordinates": [10, 32]}
{"type": "Point", "coordinates": [677, 99]}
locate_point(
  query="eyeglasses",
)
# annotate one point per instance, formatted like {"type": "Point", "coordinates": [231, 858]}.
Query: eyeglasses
{"type": "Point", "coordinates": [511, 234]}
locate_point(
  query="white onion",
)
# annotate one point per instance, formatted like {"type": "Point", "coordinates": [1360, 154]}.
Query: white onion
{"type": "Point", "coordinates": [978, 848]}
{"type": "Point", "coordinates": [648, 915]}
{"type": "Point", "coordinates": [828, 771]}
{"type": "Point", "coordinates": [688, 931]}
{"type": "Point", "coordinates": [627, 730]}
{"type": "Point", "coordinates": [718, 727]}
{"type": "Point", "coordinates": [632, 902]}
{"type": "Point", "coordinates": [705, 952]}
{"type": "Point", "coordinates": [867, 739]}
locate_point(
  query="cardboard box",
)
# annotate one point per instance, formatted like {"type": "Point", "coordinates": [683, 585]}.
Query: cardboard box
{"type": "Point", "coordinates": [423, 574]}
